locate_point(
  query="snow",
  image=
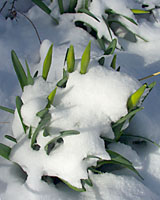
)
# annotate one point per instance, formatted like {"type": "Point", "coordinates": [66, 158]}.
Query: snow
{"type": "Point", "coordinates": [88, 104]}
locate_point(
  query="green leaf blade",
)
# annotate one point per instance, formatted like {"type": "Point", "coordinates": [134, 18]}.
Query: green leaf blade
{"type": "Point", "coordinates": [7, 109]}
{"type": "Point", "coordinates": [62, 83]}
{"type": "Point", "coordinates": [70, 59]}
{"type": "Point", "coordinates": [113, 63]}
{"type": "Point", "coordinates": [47, 63]}
{"type": "Point", "coordinates": [61, 8]}
{"type": "Point", "coordinates": [117, 126]}
{"type": "Point", "coordinates": [19, 104]}
{"type": "Point", "coordinates": [42, 5]}
{"type": "Point", "coordinates": [141, 137]}
{"type": "Point", "coordinates": [85, 59]}
{"type": "Point", "coordinates": [69, 132]}
{"type": "Point", "coordinates": [5, 151]}
{"type": "Point", "coordinates": [51, 97]}
{"type": "Point", "coordinates": [42, 124]}
{"type": "Point", "coordinates": [135, 97]}
{"type": "Point", "coordinates": [21, 75]}
{"type": "Point", "coordinates": [87, 12]}
{"type": "Point", "coordinates": [111, 48]}
{"type": "Point", "coordinates": [72, 5]}
{"type": "Point", "coordinates": [116, 158]}
{"type": "Point", "coordinates": [53, 144]}
{"type": "Point", "coordinates": [9, 137]}
{"type": "Point", "coordinates": [30, 80]}
{"type": "Point", "coordinates": [73, 187]}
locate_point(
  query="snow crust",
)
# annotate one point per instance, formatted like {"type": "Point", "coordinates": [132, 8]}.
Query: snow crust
{"type": "Point", "coordinates": [89, 103]}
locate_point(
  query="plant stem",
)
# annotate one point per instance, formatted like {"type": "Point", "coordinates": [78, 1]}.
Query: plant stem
{"type": "Point", "coordinates": [155, 74]}
{"type": "Point", "coordinates": [32, 25]}
{"type": "Point", "coordinates": [3, 6]}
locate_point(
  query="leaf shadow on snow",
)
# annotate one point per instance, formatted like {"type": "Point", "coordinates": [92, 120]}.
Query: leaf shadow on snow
{"type": "Point", "coordinates": [151, 180]}
{"type": "Point", "coordinates": [147, 121]}
{"type": "Point", "coordinates": [60, 96]}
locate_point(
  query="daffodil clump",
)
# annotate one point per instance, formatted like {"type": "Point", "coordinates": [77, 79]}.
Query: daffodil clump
{"type": "Point", "coordinates": [61, 131]}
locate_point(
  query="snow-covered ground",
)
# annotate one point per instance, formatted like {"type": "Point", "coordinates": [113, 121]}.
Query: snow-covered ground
{"type": "Point", "coordinates": [89, 104]}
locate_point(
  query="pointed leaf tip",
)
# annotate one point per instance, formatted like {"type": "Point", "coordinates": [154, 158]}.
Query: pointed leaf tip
{"type": "Point", "coordinates": [30, 80]}
{"type": "Point", "coordinates": [21, 75]}
{"type": "Point", "coordinates": [113, 63]}
{"type": "Point", "coordinates": [70, 59]}
{"type": "Point", "coordinates": [135, 97]}
{"type": "Point", "coordinates": [51, 97]}
{"type": "Point", "coordinates": [47, 63]}
{"type": "Point", "coordinates": [111, 47]}
{"type": "Point", "coordinates": [43, 6]}
{"type": "Point", "coordinates": [85, 59]}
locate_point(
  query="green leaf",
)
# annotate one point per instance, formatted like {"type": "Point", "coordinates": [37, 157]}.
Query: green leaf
{"type": "Point", "coordinates": [53, 144]}
{"type": "Point", "coordinates": [116, 158]}
{"type": "Point", "coordinates": [87, 4]}
{"type": "Point", "coordinates": [87, 12]}
{"type": "Point", "coordinates": [140, 137]}
{"type": "Point", "coordinates": [106, 22]}
{"type": "Point", "coordinates": [151, 86]}
{"type": "Point", "coordinates": [30, 132]}
{"type": "Point", "coordinates": [69, 132]}
{"type": "Point", "coordinates": [113, 63]}
{"type": "Point", "coordinates": [125, 27]}
{"type": "Point", "coordinates": [61, 8]}
{"type": "Point", "coordinates": [51, 97]}
{"type": "Point", "coordinates": [137, 11]}
{"type": "Point", "coordinates": [19, 104]}
{"type": "Point", "coordinates": [5, 151]}
{"type": "Point", "coordinates": [66, 56]}
{"type": "Point", "coordinates": [21, 75]}
{"type": "Point", "coordinates": [94, 170]}
{"type": "Point", "coordinates": [70, 59]}
{"type": "Point", "coordinates": [111, 47]}
{"type": "Point", "coordinates": [117, 126]}
{"type": "Point", "coordinates": [149, 89]}
{"type": "Point", "coordinates": [42, 113]}
{"type": "Point", "coordinates": [7, 109]}
{"type": "Point", "coordinates": [62, 83]}
{"type": "Point", "coordinates": [135, 97]}
{"type": "Point", "coordinates": [86, 181]}
{"type": "Point", "coordinates": [57, 141]}
{"type": "Point", "coordinates": [72, 5]}
{"type": "Point", "coordinates": [130, 19]}
{"type": "Point", "coordinates": [126, 117]}
{"type": "Point", "coordinates": [45, 132]}
{"type": "Point", "coordinates": [30, 80]}
{"type": "Point", "coordinates": [73, 187]}
{"type": "Point", "coordinates": [9, 137]}
{"type": "Point", "coordinates": [42, 5]}
{"type": "Point", "coordinates": [110, 11]}
{"type": "Point", "coordinates": [101, 61]}
{"type": "Point", "coordinates": [101, 43]}
{"type": "Point", "coordinates": [42, 124]}
{"type": "Point", "coordinates": [85, 59]}
{"type": "Point", "coordinates": [47, 63]}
